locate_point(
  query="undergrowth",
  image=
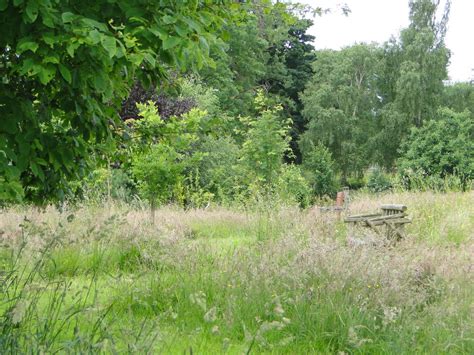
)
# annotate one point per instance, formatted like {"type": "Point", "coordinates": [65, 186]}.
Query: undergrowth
{"type": "Point", "coordinates": [283, 280]}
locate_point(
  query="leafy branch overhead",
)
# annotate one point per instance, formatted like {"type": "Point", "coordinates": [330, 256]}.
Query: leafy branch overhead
{"type": "Point", "coordinates": [65, 68]}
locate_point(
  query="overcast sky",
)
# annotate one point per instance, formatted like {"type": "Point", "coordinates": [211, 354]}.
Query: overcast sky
{"type": "Point", "coordinates": [377, 20]}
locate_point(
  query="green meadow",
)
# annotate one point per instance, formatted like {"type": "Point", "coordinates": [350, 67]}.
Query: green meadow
{"type": "Point", "coordinates": [282, 280]}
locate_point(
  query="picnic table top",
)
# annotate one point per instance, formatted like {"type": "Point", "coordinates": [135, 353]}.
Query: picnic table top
{"type": "Point", "coordinates": [381, 217]}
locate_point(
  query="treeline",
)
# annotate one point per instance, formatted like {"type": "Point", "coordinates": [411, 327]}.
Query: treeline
{"type": "Point", "coordinates": [225, 102]}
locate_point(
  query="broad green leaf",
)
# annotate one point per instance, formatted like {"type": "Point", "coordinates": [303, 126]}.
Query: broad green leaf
{"type": "Point", "coordinates": [171, 42]}
{"type": "Point", "coordinates": [95, 36]}
{"type": "Point", "coordinates": [71, 48]}
{"type": "Point", "coordinates": [96, 24]}
{"type": "Point", "coordinates": [48, 19]}
{"type": "Point", "coordinates": [17, 2]}
{"type": "Point", "coordinates": [150, 59]}
{"type": "Point", "coordinates": [65, 73]}
{"type": "Point", "coordinates": [49, 38]}
{"type": "Point", "coordinates": [159, 31]}
{"type": "Point", "coordinates": [32, 10]}
{"type": "Point", "coordinates": [51, 59]}
{"type": "Point", "coordinates": [136, 59]}
{"type": "Point", "coordinates": [121, 51]}
{"type": "Point", "coordinates": [46, 74]}
{"type": "Point", "coordinates": [193, 24]}
{"type": "Point", "coordinates": [206, 17]}
{"type": "Point", "coordinates": [9, 124]}
{"type": "Point", "coordinates": [68, 17]}
{"type": "Point", "coordinates": [110, 45]}
{"type": "Point", "coordinates": [204, 44]}
{"type": "Point", "coordinates": [169, 19]}
{"type": "Point", "coordinates": [25, 45]}
{"type": "Point", "coordinates": [183, 32]}
{"type": "Point", "coordinates": [29, 67]}
{"type": "Point", "coordinates": [100, 83]}
{"type": "Point", "coordinates": [37, 171]}
{"type": "Point", "coordinates": [138, 20]}
{"type": "Point", "coordinates": [225, 35]}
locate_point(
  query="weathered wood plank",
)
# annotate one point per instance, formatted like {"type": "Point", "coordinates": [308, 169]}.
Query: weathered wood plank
{"type": "Point", "coordinates": [361, 217]}
{"type": "Point", "coordinates": [386, 217]}
{"type": "Point", "coordinates": [385, 221]}
{"type": "Point", "coordinates": [394, 207]}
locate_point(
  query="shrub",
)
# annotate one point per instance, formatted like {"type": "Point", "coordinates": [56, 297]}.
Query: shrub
{"type": "Point", "coordinates": [218, 167]}
{"type": "Point", "coordinates": [440, 148]}
{"type": "Point", "coordinates": [378, 180]}
{"type": "Point", "coordinates": [265, 145]}
{"type": "Point", "coordinates": [318, 169]}
{"type": "Point", "coordinates": [293, 187]}
{"type": "Point", "coordinates": [157, 172]}
{"type": "Point", "coordinates": [114, 183]}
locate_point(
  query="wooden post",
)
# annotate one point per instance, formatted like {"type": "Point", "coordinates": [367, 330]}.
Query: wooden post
{"type": "Point", "coordinates": [339, 203]}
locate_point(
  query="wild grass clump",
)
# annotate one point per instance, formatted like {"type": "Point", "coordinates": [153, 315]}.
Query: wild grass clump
{"type": "Point", "coordinates": [280, 280]}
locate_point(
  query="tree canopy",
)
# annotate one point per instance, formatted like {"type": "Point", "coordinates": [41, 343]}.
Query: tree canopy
{"type": "Point", "coordinates": [65, 68]}
{"type": "Point", "coordinates": [239, 102]}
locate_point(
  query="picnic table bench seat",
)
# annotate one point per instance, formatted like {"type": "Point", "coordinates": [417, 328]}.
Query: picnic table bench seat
{"type": "Point", "coordinates": [389, 222]}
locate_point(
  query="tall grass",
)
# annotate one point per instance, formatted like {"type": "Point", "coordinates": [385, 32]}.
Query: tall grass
{"type": "Point", "coordinates": [276, 279]}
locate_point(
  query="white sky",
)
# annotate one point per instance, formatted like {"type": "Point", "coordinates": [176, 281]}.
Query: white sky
{"type": "Point", "coordinates": [377, 20]}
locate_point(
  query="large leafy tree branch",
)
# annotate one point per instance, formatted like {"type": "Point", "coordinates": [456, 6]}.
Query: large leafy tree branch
{"type": "Point", "coordinates": [66, 66]}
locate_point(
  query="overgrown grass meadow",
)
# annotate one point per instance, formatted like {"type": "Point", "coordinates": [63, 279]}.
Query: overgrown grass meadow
{"type": "Point", "coordinates": [267, 280]}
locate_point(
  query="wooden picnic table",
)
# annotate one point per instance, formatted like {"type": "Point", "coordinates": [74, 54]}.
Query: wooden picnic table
{"type": "Point", "coordinates": [389, 223]}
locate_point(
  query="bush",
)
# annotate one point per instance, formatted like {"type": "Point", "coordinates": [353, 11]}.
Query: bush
{"type": "Point", "coordinates": [378, 180]}
{"type": "Point", "coordinates": [217, 169]}
{"type": "Point", "coordinates": [103, 183]}
{"type": "Point", "coordinates": [266, 143]}
{"type": "Point", "coordinates": [420, 181]}
{"type": "Point", "coordinates": [318, 169]}
{"type": "Point", "coordinates": [440, 148]}
{"type": "Point", "coordinates": [158, 171]}
{"type": "Point", "coordinates": [293, 187]}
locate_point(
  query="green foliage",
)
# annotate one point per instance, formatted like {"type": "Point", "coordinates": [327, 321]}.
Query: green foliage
{"type": "Point", "coordinates": [65, 68]}
{"type": "Point", "coordinates": [292, 187]}
{"type": "Point", "coordinates": [270, 49]}
{"type": "Point", "coordinates": [205, 97]}
{"type": "Point", "coordinates": [318, 167]}
{"type": "Point", "coordinates": [440, 148]}
{"type": "Point", "coordinates": [418, 180]}
{"type": "Point", "coordinates": [162, 152]}
{"type": "Point", "coordinates": [411, 83]}
{"type": "Point", "coordinates": [60, 118]}
{"type": "Point", "coordinates": [158, 171]}
{"type": "Point", "coordinates": [265, 145]}
{"type": "Point", "coordinates": [239, 68]}
{"type": "Point", "coordinates": [218, 169]}
{"type": "Point", "coordinates": [391, 128]}
{"type": "Point", "coordinates": [339, 103]}
{"type": "Point", "coordinates": [108, 183]}
{"type": "Point", "coordinates": [459, 97]}
{"type": "Point", "coordinates": [424, 61]}
{"type": "Point", "coordinates": [378, 180]}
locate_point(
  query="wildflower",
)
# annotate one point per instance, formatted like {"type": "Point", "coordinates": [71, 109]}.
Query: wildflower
{"type": "Point", "coordinates": [279, 309]}
{"type": "Point", "coordinates": [211, 315]}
